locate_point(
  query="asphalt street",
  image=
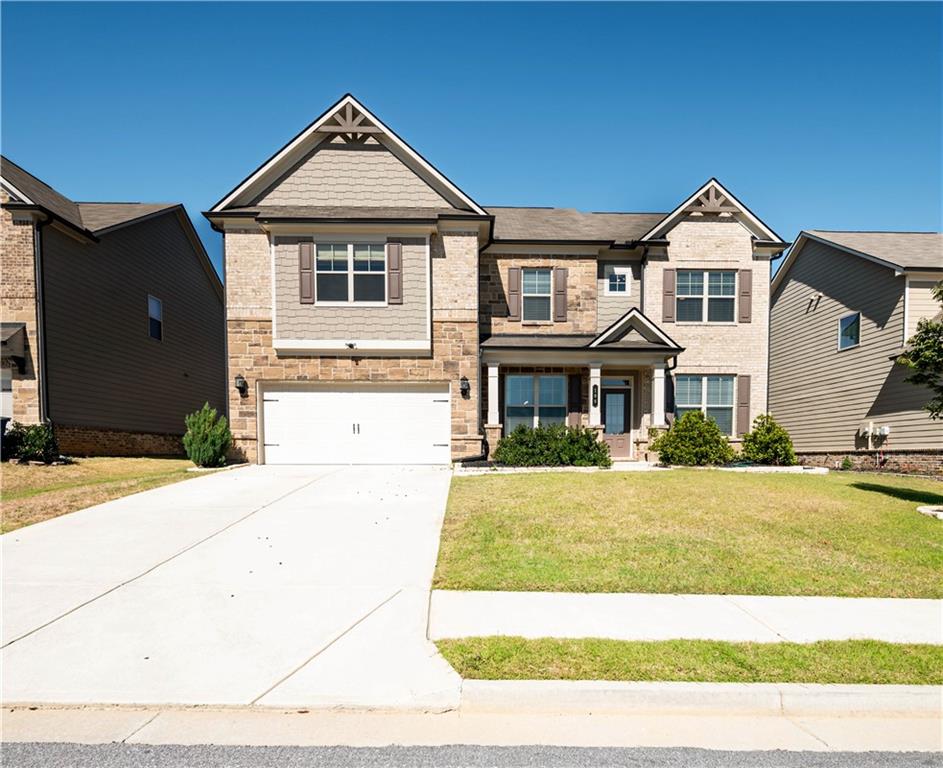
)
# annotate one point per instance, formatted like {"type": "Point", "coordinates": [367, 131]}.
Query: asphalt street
{"type": "Point", "coordinates": [26, 755]}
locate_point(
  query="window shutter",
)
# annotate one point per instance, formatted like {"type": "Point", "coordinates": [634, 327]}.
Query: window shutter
{"type": "Point", "coordinates": [559, 295]}
{"type": "Point", "coordinates": [394, 273]}
{"type": "Point", "coordinates": [668, 296]}
{"type": "Point", "coordinates": [306, 272]}
{"type": "Point", "coordinates": [514, 294]}
{"type": "Point", "coordinates": [743, 405]}
{"type": "Point", "coordinates": [575, 400]}
{"type": "Point", "coordinates": [746, 295]}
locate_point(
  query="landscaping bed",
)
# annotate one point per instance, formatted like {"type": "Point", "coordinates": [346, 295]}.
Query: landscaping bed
{"type": "Point", "coordinates": [32, 493]}
{"type": "Point", "coordinates": [694, 532]}
{"type": "Point", "coordinates": [848, 662]}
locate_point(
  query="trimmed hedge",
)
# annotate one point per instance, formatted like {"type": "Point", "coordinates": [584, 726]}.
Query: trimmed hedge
{"type": "Point", "coordinates": [768, 443]}
{"type": "Point", "coordinates": [555, 445]}
{"type": "Point", "coordinates": [31, 442]}
{"type": "Point", "coordinates": [693, 441]}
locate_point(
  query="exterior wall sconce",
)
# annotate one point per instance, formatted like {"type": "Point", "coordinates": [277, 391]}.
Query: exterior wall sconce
{"type": "Point", "coordinates": [464, 387]}
{"type": "Point", "coordinates": [595, 395]}
{"type": "Point", "coordinates": [242, 386]}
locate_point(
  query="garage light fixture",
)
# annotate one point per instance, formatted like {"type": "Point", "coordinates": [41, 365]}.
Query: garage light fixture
{"type": "Point", "coordinates": [464, 387]}
{"type": "Point", "coordinates": [242, 386]}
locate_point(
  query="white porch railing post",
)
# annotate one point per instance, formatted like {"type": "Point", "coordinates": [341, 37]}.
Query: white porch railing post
{"type": "Point", "coordinates": [494, 415]}
{"type": "Point", "coordinates": [658, 395]}
{"type": "Point", "coordinates": [595, 393]}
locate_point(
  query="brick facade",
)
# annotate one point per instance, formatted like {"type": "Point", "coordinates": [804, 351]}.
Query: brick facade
{"type": "Point", "coordinates": [92, 441]}
{"type": "Point", "coordinates": [928, 462]}
{"type": "Point", "coordinates": [18, 304]}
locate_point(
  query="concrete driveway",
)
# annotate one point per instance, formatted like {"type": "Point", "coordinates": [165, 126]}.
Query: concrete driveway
{"type": "Point", "coordinates": [279, 586]}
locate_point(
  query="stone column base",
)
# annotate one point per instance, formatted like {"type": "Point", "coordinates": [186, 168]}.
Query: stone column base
{"type": "Point", "coordinates": [493, 433]}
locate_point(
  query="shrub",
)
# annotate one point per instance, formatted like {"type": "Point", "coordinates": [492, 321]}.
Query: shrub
{"type": "Point", "coordinates": [847, 464]}
{"type": "Point", "coordinates": [208, 437]}
{"type": "Point", "coordinates": [693, 441]}
{"type": "Point", "coordinates": [31, 442]}
{"type": "Point", "coordinates": [555, 445]}
{"type": "Point", "coordinates": [768, 443]}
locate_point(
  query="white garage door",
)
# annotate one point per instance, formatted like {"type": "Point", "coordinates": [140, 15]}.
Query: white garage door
{"type": "Point", "coordinates": [357, 425]}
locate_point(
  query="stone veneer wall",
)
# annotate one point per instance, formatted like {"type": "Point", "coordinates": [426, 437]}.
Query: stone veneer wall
{"type": "Point", "coordinates": [928, 462]}
{"type": "Point", "coordinates": [18, 304]}
{"type": "Point", "coordinates": [92, 441]}
{"type": "Point", "coordinates": [454, 338]}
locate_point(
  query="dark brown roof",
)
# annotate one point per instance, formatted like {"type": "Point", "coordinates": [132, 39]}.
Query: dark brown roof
{"type": "Point", "coordinates": [40, 193]}
{"type": "Point", "coordinates": [346, 212]}
{"type": "Point", "coordinates": [907, 250]}
{"type": "Point", "coordinates": [632, 341]}
{"type": "Point", "coordinates": [99, 216]}
{"type": "Point", "coordinates": [518, 223]}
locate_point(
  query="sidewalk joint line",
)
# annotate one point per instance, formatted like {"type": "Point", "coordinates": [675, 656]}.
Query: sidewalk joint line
{"type": "Point", "coordinates": [322, 649]}
{"type": "Point", "coordinates": [758, 620]}
{"type": "Point", "coordinates": [802, 728]}
{"type": "Point", "coordinates": [140, 728]}
{"type": "Point", "coordinates": [165, 561]}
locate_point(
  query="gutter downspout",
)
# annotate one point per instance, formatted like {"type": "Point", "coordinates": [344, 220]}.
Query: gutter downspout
{"type": "Point", "coordinates": [41, 319]}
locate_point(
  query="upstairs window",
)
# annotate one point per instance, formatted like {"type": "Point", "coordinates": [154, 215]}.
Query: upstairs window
{"type": "Point", "coordinates": [849, 331]}
{"type": "Point", "coordinates": [536, 293]}
{"type": "Point", "coordinates": [617, 279]}
{"type": "Point", "coordinates": [350, 273]}
{"type": "Point", "coordinates": [706, 296]}
{"type": "Point", "coordinates": [155, 318]}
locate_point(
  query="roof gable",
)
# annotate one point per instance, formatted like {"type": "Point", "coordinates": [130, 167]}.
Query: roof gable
{"type": "Point", "coordinates": [631, 323]}
{"type": "Point", "coordinates": [713, 200]}
{"type": "Point", "coordinates": [346, 124]}
{"type": "Point", "coordinates": [31, 191]}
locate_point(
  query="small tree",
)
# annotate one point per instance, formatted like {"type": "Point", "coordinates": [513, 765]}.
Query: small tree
{"type": "Point", "coordinates": [208, 437]}
{"type": "Point", "coordinates": [693, 441]}
{"type": "Point", "coordinates": [924, 356]}
{"type": "Point", "coordinates": [768, 443]}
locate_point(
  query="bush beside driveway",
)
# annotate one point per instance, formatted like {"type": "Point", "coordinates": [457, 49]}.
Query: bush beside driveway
{"type": "Point", "coordinates": [693, 532]}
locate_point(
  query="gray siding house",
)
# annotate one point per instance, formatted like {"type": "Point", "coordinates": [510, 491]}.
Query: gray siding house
{"type": "Point", "coordinates": [843, 306]}
{"type": "Point", "coordinates": [112, 319]}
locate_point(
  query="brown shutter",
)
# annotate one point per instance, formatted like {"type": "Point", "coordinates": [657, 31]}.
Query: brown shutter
{"type": "Point", "coordinates": [394, 273]}
{"type": "Point", "coordinates": [559, 295]}
{"type": "Point", "coordinates": [306, 272]}
{"type": "Point", "coordinates": [743, 405]}
{"type": "Point", "coordinates": [668, 296]}
{"type": "Point", "coordinates": [575, 400]}
{"type": "Point", "coordinates": [514, 293]}
{"type": "Point", "coordinates": [745, 279]}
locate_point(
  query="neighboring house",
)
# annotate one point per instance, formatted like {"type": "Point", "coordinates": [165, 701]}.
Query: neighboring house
{"type": "Point", "coordinates": [377, 313]}
{"type": "Point", "coordinates": [112, 319]}
{"type": "Point", "coordinates": [844, 305]}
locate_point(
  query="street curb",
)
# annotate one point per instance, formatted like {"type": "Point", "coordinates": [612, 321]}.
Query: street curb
{"type": "Point", "coordinates": [598, 697]}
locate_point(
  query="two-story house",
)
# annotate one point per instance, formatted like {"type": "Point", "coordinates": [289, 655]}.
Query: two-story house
{"type": "Point", "coordinates": [377, 313]}
{"type": "Point", "coordinates": [111, 319]}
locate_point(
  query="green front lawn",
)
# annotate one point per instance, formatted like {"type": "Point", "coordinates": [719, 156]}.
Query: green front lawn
{"type": "Point", "coordinates": [849, 661]}
{"type": "Point", "coordinates": [691, 531]}
{"type": "Point", "coordinates": [31, 494]}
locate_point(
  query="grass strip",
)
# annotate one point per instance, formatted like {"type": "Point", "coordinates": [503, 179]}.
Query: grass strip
{"type": "Point", "coordinates": [847, 661]}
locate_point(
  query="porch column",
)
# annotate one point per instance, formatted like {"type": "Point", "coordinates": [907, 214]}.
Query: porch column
{"type": "Point", "coordinates": [595, 394]}
{"type": "Point", "coordinates": [494, 413]}
{"type": "Point", "coordinates": [658, 395]}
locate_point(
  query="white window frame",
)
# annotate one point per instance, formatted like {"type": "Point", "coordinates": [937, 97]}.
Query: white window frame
{"type": "Point", "coordinates": [857, 343]}
{"type": "Point", "coordinates": [548, 296]}
{"type": "Point", "coordinates": [617, 269]}
{"type": "Point", "coordinates": [351, 271]}
{"type": "Point", "coordinates": [535, 388]}
{"type": "Point", "coordinates": [160, 306]}
{"type": "Point", "coordinates": [703, 405]}
{"type": "Point", "coordinates": [6, 392]}
{"type": "Point", "coordinates": [705, 296]}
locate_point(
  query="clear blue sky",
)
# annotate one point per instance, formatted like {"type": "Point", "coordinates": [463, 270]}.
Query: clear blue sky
{"type": "Point", "coordinates": [815, 115]}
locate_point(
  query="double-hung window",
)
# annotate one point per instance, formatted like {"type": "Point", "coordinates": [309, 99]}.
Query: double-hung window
{"type": "Point", "coordinates": [705, 296]}
{"type": "Point", "coordinates": [350, 273]}
{"type": "Point", "coordinates": [534, 401]}
{"type": "Point", "coordinates": [155, 318]}
{"type": "Point", "coordinates": [536, 294]}
{"type": "Point", "coordinates": [712, 395]}
{"type": "Point", "coordinates": [849, 331]}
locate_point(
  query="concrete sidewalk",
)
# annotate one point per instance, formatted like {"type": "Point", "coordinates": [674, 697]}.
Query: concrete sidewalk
{"type": "Point", "coordinates": [732, 618]}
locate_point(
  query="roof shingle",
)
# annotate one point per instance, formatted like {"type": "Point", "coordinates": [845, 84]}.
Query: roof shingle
{"type": "Point", "coordinates": [520, 223]}
{"type": "Point", "coordinates": [907, 250]}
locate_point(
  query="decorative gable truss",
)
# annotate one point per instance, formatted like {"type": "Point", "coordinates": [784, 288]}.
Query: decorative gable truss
{"type": "Point", "coordinates": [351, 126]}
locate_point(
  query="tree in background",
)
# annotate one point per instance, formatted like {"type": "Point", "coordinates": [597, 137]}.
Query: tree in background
{"type": "Point", "coordinates": [924, 356]}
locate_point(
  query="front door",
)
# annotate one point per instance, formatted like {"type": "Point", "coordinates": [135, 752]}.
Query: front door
{"type": "Point", "coordinates": [617, 419]}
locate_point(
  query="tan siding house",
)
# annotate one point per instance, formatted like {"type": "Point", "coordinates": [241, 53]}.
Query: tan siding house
{"type": "Point", "coordinates": [843, 307]}
{"type": "Point", "coordinates": [113, 323]}
{"type": "Point", "coordinates": [377, 314]}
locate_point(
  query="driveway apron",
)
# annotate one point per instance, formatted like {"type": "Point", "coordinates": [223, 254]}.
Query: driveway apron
{"type": "Point", "coordinates": [287, 586]}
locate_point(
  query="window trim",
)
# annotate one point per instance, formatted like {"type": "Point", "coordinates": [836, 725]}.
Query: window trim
{"type": "Point", "coordinates": [535, 389]}
{"type": "Point", "coordinates": [617, 269]}
{"type": "Point", "coordinates": [705, 296]}
{"type": "Point", "coordinates": [857, 343]}
{"type": "Point", "coordinates": [350, 272]}
{"type": "Point", "coordinates": [160, 319]}
{"type": "Point", "coordinates": [703, 406]}
{"type": "Point", "coordinates": [548, 295]}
